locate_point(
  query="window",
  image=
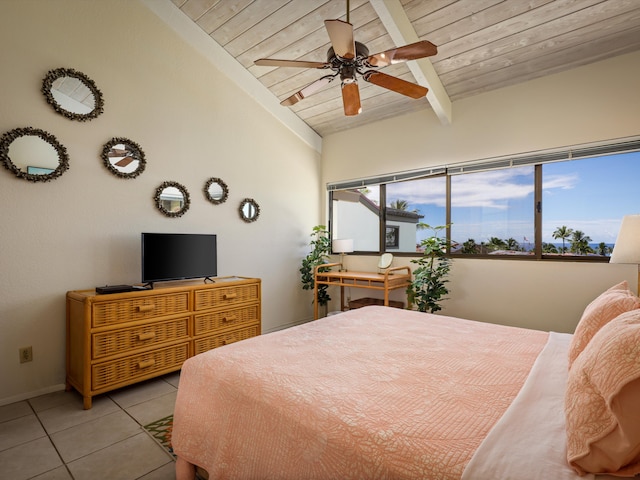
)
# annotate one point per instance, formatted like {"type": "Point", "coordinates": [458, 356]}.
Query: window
{"type": "Point", "coordinates": [584, 202]}
{"type": "Point", "coordinates": [413, 203]}
{"type": "Point", "coordinates": [392, 240]}
{"type": "Point", "coordinates": [356, 215]}
{"type": "Point", "coordinates": [493, 212]}
{"type": "Point", "coordinates": [542, 205]}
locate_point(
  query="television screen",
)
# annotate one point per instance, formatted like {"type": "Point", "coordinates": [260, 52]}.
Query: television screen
{"type": "Point", "coordinates": [177, 256]}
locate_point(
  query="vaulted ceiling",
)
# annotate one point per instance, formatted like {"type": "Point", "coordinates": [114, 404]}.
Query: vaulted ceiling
{"type": "Point", "coordinates": [482, 45]}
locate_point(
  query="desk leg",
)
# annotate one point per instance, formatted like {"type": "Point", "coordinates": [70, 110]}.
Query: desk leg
{"type": "Point", "coordinates": [386, 297]}
{"type": "Point", "coordinates": [315, 300]}
{"type": "Point", "coordinates": [342, 305]}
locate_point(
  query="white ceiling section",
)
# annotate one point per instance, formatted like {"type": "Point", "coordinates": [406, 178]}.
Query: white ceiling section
{"type": "Point", "coordinates": [482, 45]}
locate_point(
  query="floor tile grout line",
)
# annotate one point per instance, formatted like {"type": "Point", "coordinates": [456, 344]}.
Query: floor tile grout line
{"type": "Point", "coordinates": [119, 407]}
{"type": "Point", "coordinates": [64, 464]}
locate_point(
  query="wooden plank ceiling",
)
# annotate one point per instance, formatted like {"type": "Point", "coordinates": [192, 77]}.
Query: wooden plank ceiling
{"type": "Point", "coordinates": [482, 44]}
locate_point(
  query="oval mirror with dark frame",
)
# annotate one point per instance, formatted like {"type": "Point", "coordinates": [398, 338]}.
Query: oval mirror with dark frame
{"type": "Point", "coordinates": [33, 154]}
{"type": "Point", "coordinates": [172, 199]}
{"type": "Point", "coordinates": [123, 157]}
{"type": "Point", "coordinates": [249, 210]}
{"type": "Point", "coordinates": [216, 191]}
{"type": "Point", "coordinates": [72, 94]}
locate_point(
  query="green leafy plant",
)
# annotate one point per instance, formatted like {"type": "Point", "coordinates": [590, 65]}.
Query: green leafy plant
{"type": "Point", "coordinates": [320, 250]}
{"type": "Point", "coordinates": [428, 288]}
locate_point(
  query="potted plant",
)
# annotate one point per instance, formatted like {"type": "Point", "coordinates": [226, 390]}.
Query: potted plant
{"type": "Point", "coordinates": [428, 288]}
{"type": "Point", "coordinates": [321, 248]}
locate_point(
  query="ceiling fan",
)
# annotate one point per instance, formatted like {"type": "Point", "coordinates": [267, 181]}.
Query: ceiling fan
{"type": "Point", "coordinates": [347, 58]}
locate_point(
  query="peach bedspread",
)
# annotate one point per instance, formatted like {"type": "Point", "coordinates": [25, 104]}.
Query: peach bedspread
{"type": "Point", "coordinates": [371, 393]}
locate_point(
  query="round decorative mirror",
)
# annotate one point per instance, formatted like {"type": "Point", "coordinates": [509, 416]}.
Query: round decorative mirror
{"type": "Point", "coordinates": [172, 199]}
{"type": "Point", "coordinates": [123, 157]}
{"type": "Point", "coordinates": [216, 191]}
{"type": "Point", "coordinates": [249, 210]}
{"type": "Point", "coordinates": [33, 154]}
{"type": "Point", "coordinates": [385, 260]}
{"type": "Point", "coordinates": [72, 94]}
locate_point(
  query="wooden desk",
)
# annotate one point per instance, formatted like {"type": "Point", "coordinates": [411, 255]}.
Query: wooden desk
{"type": "Point", "coordinates": [392, 279]}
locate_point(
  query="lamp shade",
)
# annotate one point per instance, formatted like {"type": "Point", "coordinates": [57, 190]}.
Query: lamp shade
{"type": "Point", "coordinates": [342, 245]}
{"type": "Point", "coordinates": [627, 246]}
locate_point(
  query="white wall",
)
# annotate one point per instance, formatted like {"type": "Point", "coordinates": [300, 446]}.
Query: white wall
{"type": "Point", "coordinates": [588, 104]}
{"type": "Point", "coordinates": [83, 229]}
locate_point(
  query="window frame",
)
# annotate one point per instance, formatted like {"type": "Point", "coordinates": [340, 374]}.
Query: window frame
{"type": "Point", "coordinates": [396, 237]}
{"type": "Point", "coordinates": [537, 159]}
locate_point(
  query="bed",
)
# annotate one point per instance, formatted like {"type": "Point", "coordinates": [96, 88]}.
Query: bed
{"type": "Point", "coordinates": [384, 393]}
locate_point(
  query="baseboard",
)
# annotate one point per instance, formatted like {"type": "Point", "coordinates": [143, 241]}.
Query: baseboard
{"type": "Point", "coordinates": [28, 395]}
{"type": "Point", "coordinates": [288, 325]}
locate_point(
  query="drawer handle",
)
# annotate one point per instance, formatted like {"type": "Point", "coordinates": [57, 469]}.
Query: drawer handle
{"type": "Point", "coordinates": [147, 363]}
{"type": "Point", "coordinates": [229, 341]}
{"type": "Point", "coordinates": [230, 319]}
{"type": "Point", "coordinates": [229, 296]}
{"type": "Point", "coordinates": [145, 308]}
{"type": "Point", "coordinates": [147, 336]}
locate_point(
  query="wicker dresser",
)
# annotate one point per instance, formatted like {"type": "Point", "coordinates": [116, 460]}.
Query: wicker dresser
{"type": "Point", "coordinates": [123, 338]}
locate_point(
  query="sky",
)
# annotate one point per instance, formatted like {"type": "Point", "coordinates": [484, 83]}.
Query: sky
{"type": "Point", "coordinates": [591, 195]}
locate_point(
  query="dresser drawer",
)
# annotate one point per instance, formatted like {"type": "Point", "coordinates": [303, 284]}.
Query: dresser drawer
{"type": "Point", "coordinates": [223, 297]}
{"type": "Point", "coordinates": [126, 310]}
{"type": "Point", "coordinates": [236, 317]}
{"type": "Point", "coordinates": [128, 339]}
{"type": "Point", "coordinates": [107, 374]}
{"type": "Point", "coordinates": [207, 343]}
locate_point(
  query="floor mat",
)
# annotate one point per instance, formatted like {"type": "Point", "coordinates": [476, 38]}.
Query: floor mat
{"type": "Point", "coordinates": [161, 430]}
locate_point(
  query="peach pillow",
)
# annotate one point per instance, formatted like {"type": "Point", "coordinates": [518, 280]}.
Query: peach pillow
{"type": "Point", "coordinates": [611, 303]}
{"type": "Point", "coordinates": [602, 401]}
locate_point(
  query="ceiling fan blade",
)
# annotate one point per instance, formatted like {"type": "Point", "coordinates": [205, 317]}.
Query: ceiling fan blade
{"type": "Point", "coordinates": [308, 90]}
{"type": "Point", "coordinates": [341, 36]}
{"type": "Point", "coordinates": [412, 51]}
{"type": "Point", "coordinates": [396, 84]}
{"type": "Point", "coordinates": [124, 162]}
{"type": "Point", "coordinates": [351, 99]}
{"type": "Point", "coordinates": [272, 62]}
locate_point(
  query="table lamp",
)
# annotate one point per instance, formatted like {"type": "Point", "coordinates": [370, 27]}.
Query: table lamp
{"type": "Point", "coordinates": [627, 247]}
{"type": "Point", "coordinates": [342, 246]}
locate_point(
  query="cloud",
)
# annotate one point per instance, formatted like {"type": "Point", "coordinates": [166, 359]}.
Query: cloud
{"type": "Point", "coordinates": [491, 189]}
{"type": "Point", "coordinates": [563, 182]}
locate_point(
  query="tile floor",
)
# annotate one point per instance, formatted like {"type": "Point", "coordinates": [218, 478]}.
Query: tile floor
{"type": "Point", "coordinates": [51, 437]}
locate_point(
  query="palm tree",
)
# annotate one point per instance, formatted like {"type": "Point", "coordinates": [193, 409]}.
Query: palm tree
{"type": "Point", "coordinates": [496, 243]}
{"type": "Point", "coordinates": [562, 232]}
{"type": "Point", "coordinates": [549, 248]}
{"type": "Point", "coordinates": [512, 244]}
{"type": "Point", "coordinates": [603, 249]}
{"type": "Point", "coordinates": [399, 204]}
{"type": "Point", "coordinates": [470, 246]}
{"type": "Point", "coordinates": [580, 243]}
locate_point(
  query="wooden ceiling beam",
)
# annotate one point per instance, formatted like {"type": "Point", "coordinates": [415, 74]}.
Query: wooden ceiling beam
{"type": "Point", "coordinates": [401, 31]}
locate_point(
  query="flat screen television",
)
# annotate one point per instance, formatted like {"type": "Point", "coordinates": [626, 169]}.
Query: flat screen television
{"type": "Point", "coordinates": [178, 256]}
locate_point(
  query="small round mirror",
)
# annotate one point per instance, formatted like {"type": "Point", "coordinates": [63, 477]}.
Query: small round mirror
{"type": "Point", "coordinates": [123, 157]}
{"type": "Point", "coordinates": [385, 261]}
{"type": "Point", "coordinates": [216, 191]}
{"type": "Point", "coordinates": [172, 199]}
{"type": "Point", "coordinates": [72, 94]}
{"type": "Point", "coordinates": [33, 154]}
{"type": "Point", "coordinates": [249, 210]}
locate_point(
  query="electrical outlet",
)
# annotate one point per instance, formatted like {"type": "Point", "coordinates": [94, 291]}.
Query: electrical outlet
{"type": "Point", "coordinates": [26, 354]}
